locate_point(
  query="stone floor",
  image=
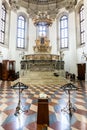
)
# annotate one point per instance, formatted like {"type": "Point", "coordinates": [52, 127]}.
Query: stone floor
{"type": "Point", "coordinates": [38, 77]}
{"type": "Point", "coordinates": [58, 119]}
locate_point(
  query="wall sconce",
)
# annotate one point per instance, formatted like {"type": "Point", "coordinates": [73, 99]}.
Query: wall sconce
{"type": "Point", "coordinates": [22, 55]}
{"type": "Point", "coordinates": [61, 55]}
{"type": "Point", "coordinates": [84, 55]}
{"type": "Point", "coordinates": [1, 55]}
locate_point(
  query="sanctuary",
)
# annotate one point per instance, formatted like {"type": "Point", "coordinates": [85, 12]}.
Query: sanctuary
{"type": "Point", "coordinates": [42, 62]}
{"type": "Point", "coordinates": [42, 59]}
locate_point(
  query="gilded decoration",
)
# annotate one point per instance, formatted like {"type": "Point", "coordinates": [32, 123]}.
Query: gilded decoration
{"type": "Point", "coordinates": [42, 45]}
{"type": "Point", "coordinates": [41, 57]}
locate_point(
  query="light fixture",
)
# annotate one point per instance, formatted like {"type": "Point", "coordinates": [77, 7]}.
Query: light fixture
{"type": "Point", "coordinates": [61, 54]}
{"type": "Point", "coordinates": [1, 55]}
{"type": "Point", "coordinates": [22, 55]}
{"type": "Point", "coordinates": [84, 55]}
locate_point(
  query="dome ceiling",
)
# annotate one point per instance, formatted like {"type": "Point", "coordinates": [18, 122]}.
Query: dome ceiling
{"type": "Point", "coordinates": [49, 8]}
{"type": "Point", "coordinates": [42, 1]}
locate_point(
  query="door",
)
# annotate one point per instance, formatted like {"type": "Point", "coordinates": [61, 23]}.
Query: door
{"type": "Point", "coordinates": [81, 71]}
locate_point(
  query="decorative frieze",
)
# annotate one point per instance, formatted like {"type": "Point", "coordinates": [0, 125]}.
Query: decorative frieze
{"type": "Point", "coordinates": [14, 5]}
{"type": "Point", "coordinates": [41, 57]}
{"type": "Point", "coordinates": [42, 65]}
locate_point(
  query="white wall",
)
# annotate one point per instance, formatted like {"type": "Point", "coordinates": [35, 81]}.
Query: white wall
{"type": "Point", "coordinates": [32, 37]}
{"type": "Point", "coordinates": [53, 37]}
{"type": "Point", "coordinates": [70, 55]}
{"type": "Point", "coordinates": [13, 53]}
{"type": "Point", "coordinates": [72, 43]}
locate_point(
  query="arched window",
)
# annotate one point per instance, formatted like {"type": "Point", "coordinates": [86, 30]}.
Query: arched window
{"type": "Point", "coordinates": [82, 31]}
{"type": "Point", "coordinates": [21, 32]}
{"type": "Point", "coordinates": [42, 29]}
{"type": "Point", "coordinates": [64, 32]}
{"type": "Point", "coordinates": [3, 24]}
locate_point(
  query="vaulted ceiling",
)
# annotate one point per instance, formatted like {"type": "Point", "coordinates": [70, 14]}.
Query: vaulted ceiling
{"type": "Point", "coordinates": [47, 7]}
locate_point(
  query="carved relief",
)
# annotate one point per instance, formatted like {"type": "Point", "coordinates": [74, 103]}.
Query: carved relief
{"type": "Point", "coordinates": [41, 57]}
{"type": "Point", "coordinates": [14, 5]}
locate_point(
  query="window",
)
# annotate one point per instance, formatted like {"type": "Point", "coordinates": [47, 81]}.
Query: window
{"type": "Point", "coordinates": [64, 32]}
{"type": "Point", "coordinates": [42, 29]}
{"type": "Point", "coordinates": [3, 23]}
{"type": "Point", "coordinates": [21, 32]}
{"type": "Point", "coordinates": [82, 32]}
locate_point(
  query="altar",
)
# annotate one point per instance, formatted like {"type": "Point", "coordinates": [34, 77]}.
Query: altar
{"type": "Point", "coordinates": [42, 59]}
{"type": "Point", "coordinates": [42, 62]}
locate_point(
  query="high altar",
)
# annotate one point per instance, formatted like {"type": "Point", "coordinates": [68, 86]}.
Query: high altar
{"type": "Point", "coordinates": [42, 59]}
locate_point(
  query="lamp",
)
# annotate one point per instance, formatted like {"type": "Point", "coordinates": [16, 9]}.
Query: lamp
{"type": "Point", "coordinates": [61, 55]}
{"type": "Point", "coordinates": [84, 55]}
{"type": "Point", "coordinates": [22, 54]}
{"type": "Point", "coordinates": [1, 56]}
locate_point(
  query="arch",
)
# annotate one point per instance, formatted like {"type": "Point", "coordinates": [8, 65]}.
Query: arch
{"type": "Point", "coordinates": [61, 14]}
{"type": "Point", "coordinates": [26, 21]}
{"type": "Point", "coordinates": [7, 23]}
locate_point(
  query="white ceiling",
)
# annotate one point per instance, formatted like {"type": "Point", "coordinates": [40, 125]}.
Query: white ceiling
{"type": "Point", "coordinates": [49, 7]}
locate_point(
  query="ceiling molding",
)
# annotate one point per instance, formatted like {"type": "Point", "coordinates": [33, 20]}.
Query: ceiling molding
{"type": "Point", "coordinates": [51, 7]}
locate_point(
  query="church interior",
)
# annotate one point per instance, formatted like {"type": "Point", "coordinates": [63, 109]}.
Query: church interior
{"type": "Point", "coordinates": [43, 65]}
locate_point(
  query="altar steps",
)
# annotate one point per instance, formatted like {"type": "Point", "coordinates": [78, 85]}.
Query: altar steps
{"type": "Point", "coordinates": [38, 77]}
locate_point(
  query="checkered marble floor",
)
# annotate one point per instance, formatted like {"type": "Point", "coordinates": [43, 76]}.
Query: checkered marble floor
{"type": "Point", "coordinates": [27, 119]}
